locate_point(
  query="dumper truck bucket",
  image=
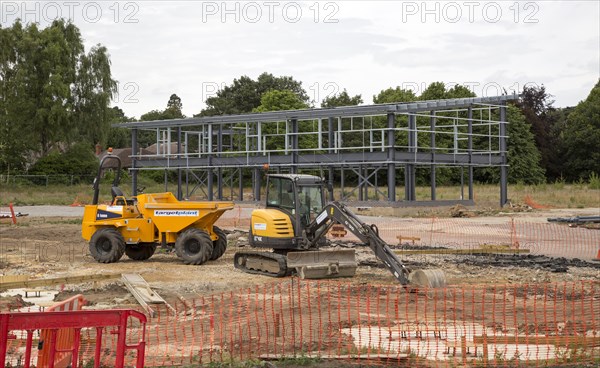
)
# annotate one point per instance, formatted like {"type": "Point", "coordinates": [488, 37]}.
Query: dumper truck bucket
{"type": "Point", "coordinates": [323, 264]}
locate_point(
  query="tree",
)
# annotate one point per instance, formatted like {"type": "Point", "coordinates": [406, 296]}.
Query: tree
{"type": "Point", "coordinates": [52, 92]}
{"type": "Point", "coordinates": [536, 105]}
{"type": "Point", "coordinates": [245, 94]}
{"type": "Point", "coordinates": [118, 137]}
{"type": "Point", "coordinates": [173, 111]}
{"type": "Point", "coordinates": [394, 95]}
{"type": "Point", "coordinates": [522, 154]}
{"type": "Point", "coordinates": [280, 100]}
{"type": "Point", "coordinates": [582, 138]}
{"type": "Point", "coordinates": [93, 93]}
{"type": "Point", "coordinates": [341, 99]}
{"type": "Point", "coordinates": [174, 107]}
{"type": "Point", "coordinates": [434, 91]}
{"type": "Point", "coordinates": [524, 158]}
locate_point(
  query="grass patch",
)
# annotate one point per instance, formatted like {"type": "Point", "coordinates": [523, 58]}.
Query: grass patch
{"type": "Point", "coordinates": [555, 195]}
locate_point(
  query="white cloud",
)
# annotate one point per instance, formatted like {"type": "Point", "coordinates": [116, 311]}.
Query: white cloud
{"type": "Point", "coordinates": [184, 47]}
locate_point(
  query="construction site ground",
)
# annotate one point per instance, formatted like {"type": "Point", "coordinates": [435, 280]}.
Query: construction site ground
{"type": "Point", "coordinates": [47, 243]}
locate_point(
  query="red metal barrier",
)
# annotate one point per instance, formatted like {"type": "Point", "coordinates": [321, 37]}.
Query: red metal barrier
{"type": "Point", "coordinates": [76, 320]}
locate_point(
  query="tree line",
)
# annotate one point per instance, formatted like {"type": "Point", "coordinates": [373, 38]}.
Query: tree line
{"type": "Point", "coordinates": [55, 102]}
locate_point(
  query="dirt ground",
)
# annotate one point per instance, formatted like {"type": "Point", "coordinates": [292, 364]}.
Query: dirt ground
{"type": "Point", "coordinates": [44, 247]}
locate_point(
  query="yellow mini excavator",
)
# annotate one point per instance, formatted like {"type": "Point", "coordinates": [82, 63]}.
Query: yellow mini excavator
{"type": "Point", "coordinates": [294, 224]}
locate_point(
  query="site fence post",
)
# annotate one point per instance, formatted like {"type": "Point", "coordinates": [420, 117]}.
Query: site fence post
{"type": "Point", "coordinates": [12, 214]}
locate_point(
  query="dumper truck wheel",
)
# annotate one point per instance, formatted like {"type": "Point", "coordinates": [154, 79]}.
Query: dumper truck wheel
{"type": "Point", "coordinates": [107, 246]}
{"type": "Point", "coordinates": [141, 251]}
{"type": "Point", "coordinates": [219, 245]}
{"type": "Point", "coordinates": [194, 246]}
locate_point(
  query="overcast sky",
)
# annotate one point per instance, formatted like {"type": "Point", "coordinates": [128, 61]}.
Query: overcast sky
{"type": "Point", "coordinates": [192, 47]}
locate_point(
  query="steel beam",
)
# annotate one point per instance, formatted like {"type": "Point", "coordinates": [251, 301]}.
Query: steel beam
{"type": "Point", "coordinates": [310, 114]}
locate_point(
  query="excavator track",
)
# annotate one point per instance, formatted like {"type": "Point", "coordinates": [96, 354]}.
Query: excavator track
{"type": "Point", "coordinates": [261, 263]}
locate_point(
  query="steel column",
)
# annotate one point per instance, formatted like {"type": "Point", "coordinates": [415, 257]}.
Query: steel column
{"type": "Point", "coordinates": [209, 172]}
{"type": "Point", "coordinates": [294, 168]}
{"type": "Point", "coordinates": [179, 190]}
{"type": "Point", "coordinates": [134, 152]}
{"type": "Point", "coordinates": [503, 156]}
{"type": "Point", "coordinates": [219, 170]}
{"type": "Point", "coordinates": [391, 151]}
{"type": "Point", "coordinates": [256, 184]}
{"type": "Point", "coordinates": [433, 160]}
{"type": "Point", "coordinates": [330, 143]}
{"type": "Point", "coordinates": [409, 180]}
{"type": "Point", "coordinates": [470, 150]}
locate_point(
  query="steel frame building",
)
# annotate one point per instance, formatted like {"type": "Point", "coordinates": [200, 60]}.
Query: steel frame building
{"type": "Point", "coordinates": [214, 154]}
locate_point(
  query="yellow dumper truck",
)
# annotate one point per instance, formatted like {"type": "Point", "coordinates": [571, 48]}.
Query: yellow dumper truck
{"type": "Point", "coordinates": [136, 226]}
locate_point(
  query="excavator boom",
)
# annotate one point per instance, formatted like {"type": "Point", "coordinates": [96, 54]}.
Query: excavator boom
{"type": "Point", "coordinates": [335, 212]}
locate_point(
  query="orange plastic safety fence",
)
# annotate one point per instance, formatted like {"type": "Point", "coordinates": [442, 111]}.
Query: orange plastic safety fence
{"type": "Point", "coordinates": [481, 325]}
{"type": "Point", "coordinates": [551, 239]}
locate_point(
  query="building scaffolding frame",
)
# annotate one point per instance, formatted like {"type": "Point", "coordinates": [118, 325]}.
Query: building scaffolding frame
{"type": "Point", "coordinates": [358, 145]}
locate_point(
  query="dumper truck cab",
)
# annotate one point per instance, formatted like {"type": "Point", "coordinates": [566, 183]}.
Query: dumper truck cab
{"type": "Point", "coordinates": [135, 226]}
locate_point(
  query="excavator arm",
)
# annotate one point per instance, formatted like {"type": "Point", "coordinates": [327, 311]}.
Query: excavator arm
{"type": "Point", "coordinates": [335, 212]}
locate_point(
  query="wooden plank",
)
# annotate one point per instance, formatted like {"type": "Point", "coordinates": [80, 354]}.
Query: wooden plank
{"type": "Point", "coordinates": [460, 251]}
{"type": "Point", "coordinates": [141, 291]}
{"type": "Point", "coordinates": [28, 284]}
{"type": "Point", "coordinates": [13, 278]}
{"type": "Point", "coordinates": [540, 340]}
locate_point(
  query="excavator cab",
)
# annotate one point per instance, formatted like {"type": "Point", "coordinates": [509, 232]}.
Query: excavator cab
{"type": "Point", "coordinates": [294, 225]}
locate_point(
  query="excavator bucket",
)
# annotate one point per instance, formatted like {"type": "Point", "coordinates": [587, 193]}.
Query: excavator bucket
{"type": "Point", "coordinates": [323, 264]}
{"type": "Point", "coordinates": [429, 278]}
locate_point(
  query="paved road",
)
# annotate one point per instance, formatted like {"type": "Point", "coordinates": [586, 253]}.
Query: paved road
{"type": "Point", "coordinates": [50, 211]}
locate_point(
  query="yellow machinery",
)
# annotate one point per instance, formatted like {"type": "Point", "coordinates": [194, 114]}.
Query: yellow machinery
{"type": "Point", "coordinates": [135, 226]}
{"type": "Point", "coordinates": [294, 225]}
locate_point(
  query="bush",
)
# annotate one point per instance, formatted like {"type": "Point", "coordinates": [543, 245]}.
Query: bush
{"type": "Point", "coordinates": [158, 176]}
{"type": "Point", "coordinates": [78, 160]}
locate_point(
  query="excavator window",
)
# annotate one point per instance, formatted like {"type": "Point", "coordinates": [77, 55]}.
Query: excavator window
{"type": "Point", "coordinates": [280, 193]}
{"type": "Point", "coordinates": [311, 202]}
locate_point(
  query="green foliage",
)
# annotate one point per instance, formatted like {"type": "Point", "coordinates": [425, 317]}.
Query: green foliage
{"type": "Point", "coordinates": [582, 138]}
{"type": "Point", "coordinates": [341, 99]}
{"type": "Point", "coordinates": [158, 176]}
{"type": "Point", "coordinates": [594, 181]}
{"type": "Point", "coordinates": [523, 156]}
{"type": "Point", "coordinates": [174, 107]}
{"type": "Point", "coordinates": [118, 137]}
{"type": "Point", "coordinates": [173, 111]}
{"type": "Point", "coordinates": [245, 94]}
{"type": "Point", "coordinates": [394, 95]}
{"type": "Point", "coordinates": [51, 91]}
{"type": "Point", "coordinates": [79, 160]}
{"type": "Point", "coordinates": [280, 100]}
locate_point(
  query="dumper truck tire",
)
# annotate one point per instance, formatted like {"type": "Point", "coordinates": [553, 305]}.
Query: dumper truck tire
{"type": "Point", "coordinates": [194, 246]}
{"type": "Point", "coordinates": [107, 245]}
{"type": "Point", "coordinates": [141, 251]}
{"type": "Point", "coordinates": [219, 245]}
